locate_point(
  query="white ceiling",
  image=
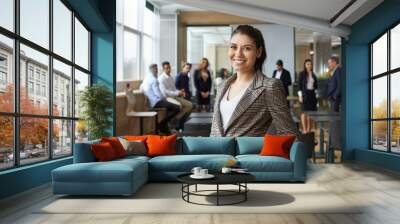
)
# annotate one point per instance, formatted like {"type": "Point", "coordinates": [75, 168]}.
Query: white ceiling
{"type": "Point", "coordinates": [319, 9]}
{"type": "Point", "coordinates": [306, 37]}
{"type": "Point", "coordinates": [306, 14]}
{"type": "Point", "coordinates": [213, 34]}
{"type": "Point", "coordinates": [168, 7]}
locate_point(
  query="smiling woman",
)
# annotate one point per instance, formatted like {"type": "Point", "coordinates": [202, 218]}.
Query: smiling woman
{"type": "Point", "coordinates": [248, 103]}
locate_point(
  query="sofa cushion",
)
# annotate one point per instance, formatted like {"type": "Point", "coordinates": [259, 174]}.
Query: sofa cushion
{"type": "Point", "coordinates": [161, 145]}
{"type": "Point", "coordinates": [134, 147]}
{"type": "Point", "coordinates": [116, 145]}
{"type": "Point", "coordinates": [257, 163]}
{"type": "Point", "coordinates": [249, 145]}
{"type": "Point", "coordinates": [277, 145]}
{"type": "Point", "coordinates": [185, 163]}
{"type": "Point", "coordinates": [83, 152]}
{"type": "Point", "coordinates": [112, 171]}
{"type": "Point", "coordinates": [135, 137]}
{"type": "Point", "coordinates": [103, 152]}
{"type": "Point", "coordinates": [208, 145]}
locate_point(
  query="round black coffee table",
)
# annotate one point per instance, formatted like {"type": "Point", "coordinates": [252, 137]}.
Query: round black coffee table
{"type": "Point", "coordinates": [238, 179]}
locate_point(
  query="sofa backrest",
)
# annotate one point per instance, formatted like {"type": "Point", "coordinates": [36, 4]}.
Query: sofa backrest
{"type": "Point", "coordinates": [188, 146]}
{"type": "Point", "coordinates": [206, 145]}
{"type": "Point", "coordinates": [249, 145]}
{"type": "Point", "coordinates": [83, 152]}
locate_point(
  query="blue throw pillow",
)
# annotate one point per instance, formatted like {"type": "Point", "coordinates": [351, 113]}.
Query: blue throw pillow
{"type": "Point", "coordinates": [249, 145]}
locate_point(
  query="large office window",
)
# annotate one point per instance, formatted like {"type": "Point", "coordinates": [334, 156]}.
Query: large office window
{"type": "Point", "coordinates": [40, 80]}
{"type": "Point", "coordinates": [385, 94]}
{"type": "Point", "coordinates": [136, 38]}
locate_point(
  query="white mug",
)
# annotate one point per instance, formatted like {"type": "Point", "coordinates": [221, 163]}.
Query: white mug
{"type": "Point", "coordinates": [226, 170]}
{"type": "Point", "coordinates": [203, 172]}
{"type": "Point", "coordinates": [196, 171]}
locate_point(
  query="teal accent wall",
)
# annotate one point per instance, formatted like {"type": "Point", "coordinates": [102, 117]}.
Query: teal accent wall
{"type": "Point", "coordinates": [104, 53]}
{"type": "Point", "coordinates": [89, 11]}
{"type": "Point", "coordinates": [24, 178]}
{"type": "Point", "coordinates": [380, 159]}
{"type": "Point", "coordinates": [356, 100]}
{"type": "Point", "coordinates": [99, 16]}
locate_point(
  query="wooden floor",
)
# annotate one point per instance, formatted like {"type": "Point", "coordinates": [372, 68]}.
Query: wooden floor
{"type": "Point", "coordinates": [377, 189]}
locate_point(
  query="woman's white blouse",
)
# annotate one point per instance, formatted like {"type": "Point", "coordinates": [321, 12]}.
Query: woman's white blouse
{"type": "Point", "coordinates": [228, 106]}
{"type": "Point", "coordinates": [310, 83]}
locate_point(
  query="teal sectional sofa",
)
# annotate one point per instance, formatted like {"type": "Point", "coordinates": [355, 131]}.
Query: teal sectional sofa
{"type": "Point", "coordinates": [125, 176]}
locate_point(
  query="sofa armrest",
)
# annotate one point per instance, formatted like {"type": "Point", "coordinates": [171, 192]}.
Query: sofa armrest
{"type": "Point", "coordinates": [298, 155]}
{"type": "Point", "coordinates": [83, 152]}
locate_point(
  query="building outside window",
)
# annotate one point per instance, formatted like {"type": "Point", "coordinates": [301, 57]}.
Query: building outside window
{"type": "Point", "coordinates": [43, 90]}
{"type": "Point", "coordinates": [38, 89]}
{"type": "Point", "coordinates": [44, 77]}
{"type": "Point", "coordinates": [3, 81]}
{"type": "Point", "coordinates": [3, 72]}
{"type": "Point", "coordinates": [37, 74]}
{"type": "Point", "coordinates": [3, 78]}
{"type": "Point", "coordinates": [30, 72]}
{"type": "Point", "coordinates": [30, 87]}
{"type": "Point", "coordinates": [3, 61]}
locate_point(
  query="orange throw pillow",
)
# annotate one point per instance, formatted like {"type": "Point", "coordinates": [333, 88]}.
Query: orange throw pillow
{"type": "Point", "coordinates": [103, 152]}
{"type": "Point", "coordinates": [277, 145]}
{"type": "Point", "coordinates": [116, 145]}
{"type": "Point", "coordinates": [135, 137]}
{"type": "Point", "coordinates": [161, 145]}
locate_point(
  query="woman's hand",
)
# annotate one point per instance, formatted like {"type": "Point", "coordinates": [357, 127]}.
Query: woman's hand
{"type": "Point", "coordinates": [301, 99]}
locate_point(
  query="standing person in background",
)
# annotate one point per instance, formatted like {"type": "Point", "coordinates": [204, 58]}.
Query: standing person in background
{"type": "Point", "coordinates": [307, 87]}
{"type": "Point", "coordinates": [182, 80]}
{"type": "Point", "coordinates": [167, 87]}
{"type": "Point", "coordinates": [202, 82]}
{"type": "Point", "coordinates": [334, 83]}
{"type": "Point", "coordinates": [283, 75]}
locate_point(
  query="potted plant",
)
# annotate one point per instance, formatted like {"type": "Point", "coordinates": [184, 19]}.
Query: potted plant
{"type": "Point", "coordinates": [96, 104]}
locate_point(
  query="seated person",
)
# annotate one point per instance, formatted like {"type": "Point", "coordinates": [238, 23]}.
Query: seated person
{"type": "Point", "coordinates": [151, 89]}
{"type": "Point", "coordinates": [167, 87]}
{"type": "Point", "coordinates": [182, 80]}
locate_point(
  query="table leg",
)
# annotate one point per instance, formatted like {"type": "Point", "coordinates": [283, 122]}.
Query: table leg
{"type": "Point", "coordinates": [321, 140]}
{"type": "Point", "coordinates": [156, 122]}
{"type": "Point", "coordinates": [217, 194]}
{"type": "Point", "coordinates": [182, 190]}
{"type": "Point", "coordinates": [188, 190]}
{"type": "Point", "coordinates": [141, 125]}
{"type": "Point", "coordinates": [245, 193]}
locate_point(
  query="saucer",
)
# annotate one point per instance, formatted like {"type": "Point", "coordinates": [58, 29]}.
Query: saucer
{"type": "Point", "coordinates": [240, 171]}
{"type": "Point", "coordinates": [208, 176]}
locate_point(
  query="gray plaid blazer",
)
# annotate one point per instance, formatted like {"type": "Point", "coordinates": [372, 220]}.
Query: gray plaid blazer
{"type": "Point", "coordinates": [263, 103]}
